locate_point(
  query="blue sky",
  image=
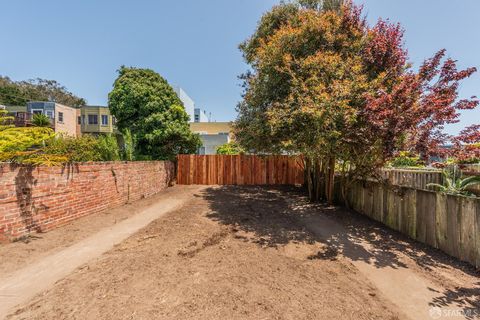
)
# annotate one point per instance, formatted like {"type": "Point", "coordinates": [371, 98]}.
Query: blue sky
{"type": "Point", "coordinates": [194, 43]}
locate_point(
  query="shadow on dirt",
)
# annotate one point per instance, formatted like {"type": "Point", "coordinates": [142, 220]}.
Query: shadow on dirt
{"type": "Point", "coordinates": [276, 216]}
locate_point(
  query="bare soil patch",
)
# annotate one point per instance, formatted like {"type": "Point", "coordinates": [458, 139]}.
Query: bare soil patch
{"type": "Point", "coordinates": [16, 255]}
{"type": "Point", "coordinates": [246, 253]}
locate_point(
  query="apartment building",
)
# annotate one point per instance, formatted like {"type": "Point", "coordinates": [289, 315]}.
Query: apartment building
{"type": "Point", "coordinates": [95, 120]}
{"type": "Point", "coordinates": [212, 134]}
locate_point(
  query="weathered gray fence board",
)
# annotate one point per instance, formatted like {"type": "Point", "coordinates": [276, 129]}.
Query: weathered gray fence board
{"type": "Point", "coordinates": [421, 223]}
{"type": "Point", "coordinates": [467, 230]}
{"type": "Point", "coordinates": [412, 213]}
{"type": "Point", "coordinates": [449, 223]}
{"type": "Point", "coordinates": [477, 234]}
{"type": "Point", "coordinates": [378, 203]}
{"type": "Point", "coordinates": [442, 221]}
{"type": "Point", "coordinates": [452, 225]}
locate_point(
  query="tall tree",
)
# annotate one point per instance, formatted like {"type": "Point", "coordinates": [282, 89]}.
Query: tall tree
{"type": "Point", "coordinates": [326, 85]}
{"type": "Point", "coordinates": [21, 92]}
{"type": "Point", "coordinates": [143, 102]}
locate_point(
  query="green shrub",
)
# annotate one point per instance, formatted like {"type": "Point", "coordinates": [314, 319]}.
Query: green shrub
{"type": "Point", "coordinates": [22, 139]}
{"type": "Point", "coordinates": [79, 149]}
{"type": "Point", "coordinates": [128, 148]}
{"type": "Point", "coordinates": [41, 120]}
{"type": "Point", "coordinates": [107, 148]}
{"type": "Point", "coordinates": [406, 159]}
{"type": "Point", "coordinates": [230, 148]}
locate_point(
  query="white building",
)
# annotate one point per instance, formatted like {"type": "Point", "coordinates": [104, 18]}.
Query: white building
{"type": "Point", "coordinates": [188, 103]}
{"type": "Point", "coordinates": [201, 116]}
{"type": "Point", "coordinates": [195, 114]}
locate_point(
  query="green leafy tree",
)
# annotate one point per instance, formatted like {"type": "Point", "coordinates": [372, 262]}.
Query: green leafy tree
{"type": "Point", "coordinates": [307, 82]}
{"type": "Point", "coordinates": [143, 102]}
{"type": "Point", "coordinates": [21, 92]}
{"type": "Point", "coordinates": [324, 84]}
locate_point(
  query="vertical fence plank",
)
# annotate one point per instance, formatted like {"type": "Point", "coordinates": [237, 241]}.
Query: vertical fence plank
{"type": "Point", "coordinates": [442, 222]}
{"type": "Point", "coordinates": [421, 223]}
{"type": "Point", "coordinates": [453, 236]}
{"type": "Point", "coordinates": [239, 169]}
{"type": "Point", "coordinates": [411, 209]}
{"type": "Point", "coordinates": [378, 202]}
{"type": "Point", "coordinates": [467, 230]}
{"type": "Point", "coordinates": [390, 213]}
{"type": "Point", "coordinates": [477, 235]}
{"type": "Point", "coordinates": [430, 219]}
{"type": "Point", "coordinates": [368, 201]}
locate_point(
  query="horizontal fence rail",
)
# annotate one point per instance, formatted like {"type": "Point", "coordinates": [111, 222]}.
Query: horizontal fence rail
{"type": "Point", "coordinates": [239, 170]}
{"type": "Point", "coordinates": [417, 179]}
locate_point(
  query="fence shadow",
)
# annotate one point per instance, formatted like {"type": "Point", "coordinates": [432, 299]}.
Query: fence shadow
{"type": "Point", "coordinates": [276, 216]}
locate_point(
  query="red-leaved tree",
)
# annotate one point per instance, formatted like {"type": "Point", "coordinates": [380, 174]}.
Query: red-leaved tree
{"type": "Point", "coordinates": [466, 146]}
{"type": "Point", "coordinates": [413, 114]}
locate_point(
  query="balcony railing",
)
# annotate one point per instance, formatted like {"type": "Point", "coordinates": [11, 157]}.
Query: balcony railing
{"type": "Point", "coordinates": [25, 119]}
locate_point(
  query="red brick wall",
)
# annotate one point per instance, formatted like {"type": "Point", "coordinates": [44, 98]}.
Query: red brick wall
{"type": "Point", "coordinates": [38, 199]}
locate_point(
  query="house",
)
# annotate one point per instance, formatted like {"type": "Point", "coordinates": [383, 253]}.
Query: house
{"type": "Point", "coordinates": [95, 120]}
{"type": "Point", "coordinates": [14, 110]}
{"type": "Point", "coordinates": [21, 117]}
{"type": "Point", "coordinates": [64, 118]}
{"type": "Point", "coordinates": [212, 134]}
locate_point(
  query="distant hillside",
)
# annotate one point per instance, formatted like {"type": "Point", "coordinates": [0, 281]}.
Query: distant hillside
{"type": "Point", "coordinates": [21, 92]}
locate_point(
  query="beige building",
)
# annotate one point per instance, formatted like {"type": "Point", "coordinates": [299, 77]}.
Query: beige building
{"type": "Point", "coordinates": [66, 120]}
{"type": "Point", "coordinates": [211, 127]}
{"type": "Point", "coordinates": [212, 134]}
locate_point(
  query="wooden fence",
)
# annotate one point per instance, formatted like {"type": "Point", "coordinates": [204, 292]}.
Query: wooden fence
{"type": "Point", "coordinates": [420, 178]}
{"type": "Point", "coordinates": [239, 170]}
{"type": "Point", "coordinates": [417, 179]}
{"type": "Point", "coordinates": [447, 222]}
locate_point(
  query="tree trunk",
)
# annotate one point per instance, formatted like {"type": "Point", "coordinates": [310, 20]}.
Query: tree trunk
{"type": "Point", "coordinates": [330, 180]}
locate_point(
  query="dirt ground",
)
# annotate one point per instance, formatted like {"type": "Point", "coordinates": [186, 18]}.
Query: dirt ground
{"type": "Point", "coordinates": [16, 255]}
{"type": "Point", "coordinates": [236, 253]}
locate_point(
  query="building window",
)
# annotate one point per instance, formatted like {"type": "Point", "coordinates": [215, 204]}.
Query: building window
{"type": "Point", "coordinates": [92, 119]}
{"type": "Point", "coordinates": [104, 120]}
{"type": "Point", "coordinates": [197, 118]}
{"type": "Point", "coordinates": [79, 120]}
{"type": "Point", "coordinates": [60, 117]}
{"type": "Point", "coordinates": [49, 114]}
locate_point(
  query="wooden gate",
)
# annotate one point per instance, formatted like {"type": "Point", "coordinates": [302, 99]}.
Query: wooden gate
{"type": "Point", "coordinates": [239, 170]}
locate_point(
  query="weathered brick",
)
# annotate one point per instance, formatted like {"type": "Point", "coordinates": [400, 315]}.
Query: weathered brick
{"type": "Point", "coordinates": [45, 198]}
